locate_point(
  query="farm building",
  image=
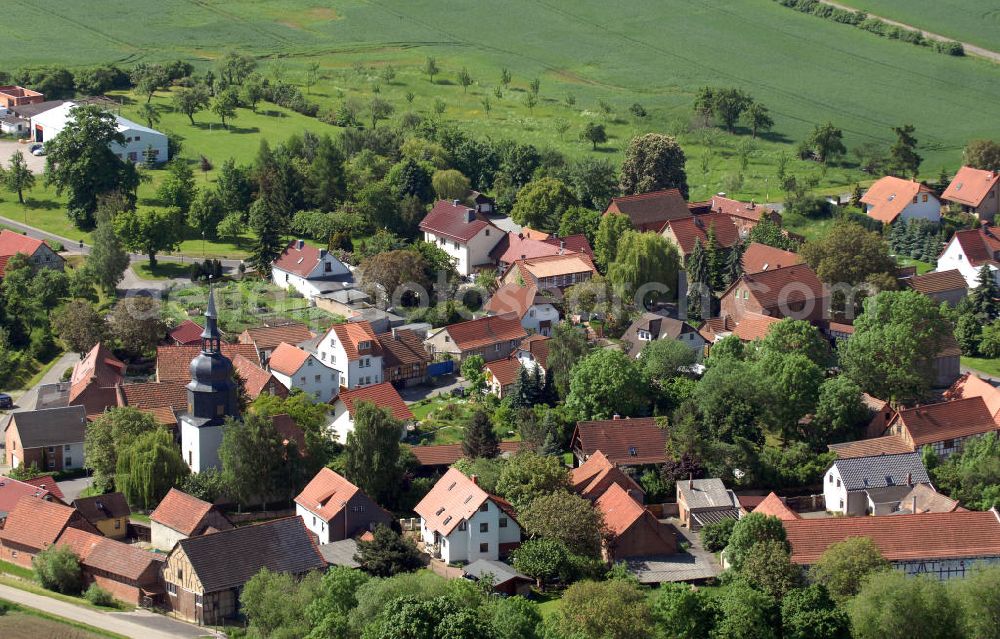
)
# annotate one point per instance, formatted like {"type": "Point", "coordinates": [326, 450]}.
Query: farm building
{"type": "Point", "coordinates": [138, 138]}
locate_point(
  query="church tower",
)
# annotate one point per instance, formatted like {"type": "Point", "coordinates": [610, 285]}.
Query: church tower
{"type": "Point", "coordinates": [211, 396]}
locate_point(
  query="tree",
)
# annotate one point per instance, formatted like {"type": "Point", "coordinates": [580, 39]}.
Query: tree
{"type": "Point", "coordinates": [727, 105]}
{"type": "Point", "coordinates": [234, 67]}
{"type": "Point", "coordinates": [851, 255]}
{"type": "Point", "coordinates": [150, 231]}
{"type": "Point", "coordinates": [251, 454]}
{"type": "Point", "coordinates": [895, 339]}
{"type": "Point", "coordinates": [758, 118]}
{"type": "Point", "coordinates": [149, 467]}
{"type": "Point", "coordinates": [826, 142]}
{"type": "Point", "coordinates": [224, 105]}
{"type": "Point", "coordinates": [983, 299]}
{"type": "Point", "coordinates": [715, 536]}
{"type": "Point", "coordinates": [661, 360]}
{"type": "Point", "coordinates": [567, 346]}
{"type": "Point", "coordinates": [206, 213]}
{"type": "Point", "coordinates": [542, 559]}
{"type": "Point", "coordinates": [839, 411]}
{"type": "Point", "coordinates": [472, 371]}
{"type": "Point", "coordinates": [450, 184]}
{"type": "Point", "coordinates": [982, 154]}
{"type": "Point", "coordinates": [540, 204]}
{"type": "Point", "coordinates": [148, 79]}
{"type": "Point", "coordinates": [480, 439]}
{"type": "Point", "coordinates": [594, 133]}
{"type": "Point", "coordinates": [609, 232]}
{"type": "Point", "coordinates": [388, 554]}
{"type": "Point", "coordinates": [380, 109]}
{"type": "Point", "coordinates": [78, 325]}
{"type": "Point", "coordinates": [767, 232]}
{"type": "Point", "coordinates": [190, 100]}
{"type": "Point", "coordinates": [903, 157]}
{"type": "Point", "coordinates": [267, 244]}
{"type": "Point", "coordinates": [743, 612]}
{"type": "Point", "coordinates": [80, 160]}
{"type": "Point", "coordinates": [528, 475]}
{"type": "Point", "coordinates": [372, 460]}
{"type": "Point", "coordinates": [567, 518]}
{"type": "Point", "coordinates": [928, 605]}
{"type": "Point", "coordinates": [845, 565]}
{"type": "Point", "coordinates": [768, 567]}
{"type": "Point", "coordinates": [178, 188]}
{"type": "Point", "coordinates": [809, 613]}
{"type": "Point", "coordinates": [578, 220]}
{"type": "Point", "coordinates": [613, 609]}
{"type": "Point", "coordinates": [797, 336]}
{"type": "Point", "coordinates": [394, 273]}
{"type": "Point", "coordinates": [603, 384]}
{"type": "Point", "coordinates": [234, 186]}
{"type": "Point", "coordinates": [18, 178]}
{"type": "Point", "coordinates": [653, 162]}
{"type": "Point", "coordinates": [680, 611]}
{"type": "Point", "coordinates": [750, 530]}
{"type": "Point", "coordinates": [516, 618]}
{"type": "Point", "coordinates": [149, 114]}
{"type": "Point", "coordinates": [276, 603]}
{"type": "Point", "coordinates": [644, 260]}
{"type": "Point", "coordinates": [109, 433]}
{"type": "Point", "coordinates": [972, 476]}
{"type": "Point", "coordinates": [108, 260]}
{"type": "Point", "coordinates": [431, 68]}
{"type": "Point", "coordinates": [58, 568]}
{"type": "Point", "coordinates": [465, 79]}
{"type": "Point", "coordinates": [979, 594]}
{"type": "Point", "coordinates": [135, 322]}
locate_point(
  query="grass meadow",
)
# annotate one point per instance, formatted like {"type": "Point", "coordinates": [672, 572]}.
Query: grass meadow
{"type": "Point", "coordinates": [973, 22]}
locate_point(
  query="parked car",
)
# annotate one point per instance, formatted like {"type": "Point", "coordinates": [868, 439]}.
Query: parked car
{"type": "Point", "coordinates": [6, 401]}
{"type": "Point", "coordinates": [37, 149]}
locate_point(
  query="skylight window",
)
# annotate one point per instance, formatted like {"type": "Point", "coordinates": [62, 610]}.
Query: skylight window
{"type": "Point", "coordinates": [452, 485]}
{"type": "Point", "coordinates": [439, 511]}
{"type": "Point", "coordinates": [632, 451]}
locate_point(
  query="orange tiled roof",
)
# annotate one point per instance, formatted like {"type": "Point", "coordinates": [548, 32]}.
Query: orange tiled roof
{"type": "Point", "coordinates": [798, 283]}
{"type": "Point", "coordinates": [36, 523]}
{"type": "Point", "coordinates": [485, 331]}
{"type": "Point", "coordinates": [950, 535]}
{"type": "Point", "coordinates": [186, 333]}
{"type": "Point", "coordinates": [754, 326]}
{"type": "Point", "coordinates": [650, 211]}
{"type": "Point", "coordinates": [99, 368]}
{"type": "Point", "coordinates": [256, 380]}
{"type": "Point", "coordinates": [620, 509]}
{"type": "Point", "coordinates": [887, 445]}
{"type": "Point", "coordinates": [970, 186]}
{"type": "Point", "coordinates": [451, 500]}
{"type": "Point", "coordinates": [758, 258]}
{"type": "Point", "coordinates": [594, 476]}
{"type": "Point", "coordinates": [173, 363]}
{"type": "Point", "coordinates": [948, 420]}
{"type": "Point", "coordinates": [402, 348]}
{"type": "Point", "coordinates": [326, 494]}
{"type": "Point", "coordinates": [266, 338]}
{"type": "Point", "coordinates": [352, 334]}
{"type": "Point", "coordinates": [980, 245]}
{"type": "Point", "coordinates": [48, 483]}
{"type": "Point", "coordinates": [505, 370]}
{"type": "Point", "coordinates": [383, 395]}
{"type": "Point", "coordinates": [889, 196]}
{"type": "Point", "coordinates": [969, 385]}
{"type": "Point", "coordinates": [448, 454]}
{"type": "Point", "coordinates": [689, 229]}
{"type": "Point", "coordinates": [107, 555]}
{"type": "Point", "coordinates": [938, 282]}
{"type": "Point", "coordinates": [512, 298]}
{"type": "Point", "coordinates": [287, 359]}
{"type": "Point", "coordinates": [12, 243]}
{"type": "Point", "coordinates": [617, 438]}
{"type": "Point", "coordinates": [776, 507]}
{"type": "Point", "coordinates": [556, 265]}
{"type": "Point", "coordinates": [150, 395]}
{"type": "Point", "coordinates": [734, 208]}
{"type": "Point", "coordinates": [538, 346]}
{"type": "Point", "coordinates": [180, 511]}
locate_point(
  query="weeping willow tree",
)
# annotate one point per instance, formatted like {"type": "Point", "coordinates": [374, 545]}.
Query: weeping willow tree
{"type": "Point", "coordinates": [646, 265]}
{"type": "Point", "coordinates": [149, 467]}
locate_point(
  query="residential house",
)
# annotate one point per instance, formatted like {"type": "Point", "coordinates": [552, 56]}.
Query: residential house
{"type": "Point", "coordinates": [650, 211]}
{"type": "Point", "coordinates": [535, 308]}
{"type": "Point", "coordinates": [435, 459]}
{"type": "Point", "coordinates": [632, 530]}
{"type": "Point", "coordinates": [650, 327]}
{"type": "Point", "coordinates": [184, 334]}
{"type": "Point", "coordinates": [976, 191]}
{"type": "Point", "coordinates": [354, 351]}
{"type": "Point", "coordinates": [885, 445]}
{"type": "Point", "coordinates": [139, 140]}
{"type": "Point", "coordinates": [297, 368]}
{"type": "Point", "coordinates": [12, 490]}
{"type": "Point", "coordinates": [758, 258]}
{"type": "Point", "coordinates": [309, 270]}
{"type": "Point", "coordinates": [534, 351]}
{"type": "Point", "coordinates": [791, 291]}
{"type": "Point", "coordinates": [481, 202]}
{"type": "Point", "coordinates": [892, 199]}
{"type": "Point", "coordinates": [465, 235]}
{"type": "Point", "coordinates": [256, 380]}
{"type": "Point", "coordinates": [51, 438]}
{"type": "Point", "coordinates": [686, 231]}
{"type": "Point", "coordinates": [922, 498]}
{"type": "Point", "coordinates": [204, 575]}
{"type": "Point", "coordinates": [179, 516]}
{"type": "Point", "coordinates": [948, 286]}
{"type": "Point", "coordinates": [37, 251]}
{"type": "Point", "coordinates": [551, 272]}
{"type": "Point", "coordinates": [173, 363]}
{"type": "Point", "coordinates": [334, 509]}
{"type": "Point", "coordinates": [34, 525]}
{"type": "Point", "coordinates": [944, 546]}
{"type": "Point", "coordinates": [774, 506]}
{"type": "Point", "coordinates": [626, 442]}
{"type": "Point", "coordinates": [968, 386]}
{"type": "Point", "coordinates": [383, 395]}
{"type": "Point", "coordinates": [265, 339]}
{"type": "Point", "coordinates": [595, 476]}
{"type": "Point", "coordinates": [461, 522]}
{"type": "Point", "coordinates": [504, 579]}
{"type": "Point", "coordinates": [745, 215]}
{"type": "Point", "coordinates": [130, 574]}
{"type": "Point", "coordinates": [946, 365]}
{"type": "Point", "coordinates": [502, 374]}
{"type": "Point", "coordinates": [12, 95]}
{"type": "Point", "coordinates": [108, 513]}
{"type": "Point", "coordinates": [705, 501]}
{"type": "Point", "coordinates": [164, 401]}
{"type": "Point", "coordinates": [871, 485]}
{"type": "Point", "coordinates": [526, 245]}
{"type": "Point", "coordinates": [969, 251]}
{"type": "Point", "coordinates": [95, 376]}
{"type": "Point", "coordinates": [944, 427]}
{"type": "Point", "coordinates": [404, 359]}
{"type": "Point", "coordinates": [493, 337]}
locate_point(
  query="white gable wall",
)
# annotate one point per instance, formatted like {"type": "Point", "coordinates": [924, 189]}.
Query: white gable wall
{"type": "Point", "coordinates": [464, 545]}
{"type": "Point", "coordinates": [954, 257]}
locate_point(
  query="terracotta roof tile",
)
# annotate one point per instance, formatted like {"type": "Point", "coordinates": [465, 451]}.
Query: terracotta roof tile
{"type": "Point", "coordinates": [287, 359]}
{"type": "Point", "coordinates": [620, 509]}
{"type": "Point", "coordinates": [948, 420]}
{"type": "Point", "coordinates": [572, 243]}
{"type": "Point", "coordinates": [352, 334]}
{"type": "Point", "coordinates": [326, 494]}
{"type": "Point", "coordinates": [758, 258]}
{"type": "Point", "coordinates": [47, 482]}
{"type": "Point", "coordinates": [754, 326]}
{"type": "Point", "coordinates": [173, 363]}
{"type": "Point", "coordinates": [448, 454]}
{"type": "Point", "coordinates": [689, 229]}
{"type": "Point", "coordinates": [650, 211]}
{"type": "Point", "coordinates": [485, 331]}
{"type": "Point", "coordinates": [594, 476]}
{"type": "Point", "coordinates": [512, 298]}
{"type": "Point", "coordinates": [518, 246]}
{"type": "Point", "coordinates": [505, 370]}
{"type": "Point", "coordinates": [3, 264]}
{"type": "Point", "coordinates": [12, 243]}
{"type": "Point", "coordinates": [457, 222]}
{"type": "Point", "coordinates": [970, 186]}
{"type": "Point", "coordinates": [298, 259]}
{"type": "Point", "coordinates": [99, 367]}
{"type": "Point", "coordinates": [36, 523]}
{"type": "Point", "coordinates": [734, 208]}
{"type": "Point", "coordinates": [152, 395]}
{"type": "Point", "coordinates": [776, 507]}
{"type": "Point", "coordinates": [951, 535]}
{"type": "Point", "coordinates": [556, 265]}
{"type": "Point", "coordinates": [187, 332]}
{"type": "Point", "coordinates": [266, 338]}
{"type": "Point", "coordinates": [887, 445]}
{"type": "Point", "coordinates": [181, 512]}
{"type": "Point", "coordinates": [888, 197]}
{"type": "Point", "coordinates": [969, 385]}
{"type": "Point", "coordinates": [383, 395]}
{"type": "Point", "coordinates": [451, 500]}
{"type": "Point", "coordinates": [115, 558]}
{"type": "Point", "coordinates": [12, 490]}
{"type": "Point", "coordinates": [980, 245]}
{"type": "Point", "coordinates": [256, 380]}
{"type": "Point", "coordinates": [80, 542]}
{"type": "Point", "coordinates": [790, 284]}
{"type": "Point", "coordinates": [402, 348]}
{"type": "Point", "coordinates": [538, 346]}
{"type": "Point", "coordinates": [618, 438]}
{"type": "Point", "coordinates": [938, 282]}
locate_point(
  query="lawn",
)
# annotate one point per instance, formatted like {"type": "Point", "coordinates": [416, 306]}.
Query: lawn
{"type": "Point", "coordinates": [30, 585]}
{"type": "Point", "coordinates": [162, 270]}
{"type": "Point", "coordinates": [974, 22]}
{"type": "Point", "coordinates": [22, 622]}
{"type": "Point", "coordinates": [30, 372]}
{"type": "Point", "coordinates": [990, 367]}
{"type": "Point", "coordinates": [442, 420]}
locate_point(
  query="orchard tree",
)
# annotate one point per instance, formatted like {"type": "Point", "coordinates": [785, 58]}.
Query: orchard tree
{"type": "Point", "coordinates": [431, 68]}
{"type": "Point", "coordinates": [150, 231]}
{"type": "Point", "coordinates": [372, 452]}
{"type": "Point", "coordinates": [542, 559]}
{"type": "Point", "coordinates": [380, 109]}
{"type": "Point", "coordinates": [17, 177]}
{"type": "Point", "coordinates": [149, 114]}
{"type": "Point", "coordinates": [472, 371]}
{"type": "Point", "coordinates": [594, 133]}
{"type": "Point", "coordinates": [135, 322]}
{"type": "Point", "coordinates": [465, 79]}
{"type": "Point", "coordinates": [224, 105]}
{"type": "Point", "coordinates": [653, 162]}
{"type": "Point", "coordinates": [148, 467]}
{"type": "Point", "coordinates": [206, 213]}
{"type": "Point", "coordinates": [148, 79]}
{"type": "Point", "coordinates": [78, 325]}
{"type": "Point", "coordinates": [540, 204]}
{"type": "Point", "coordinates": [827, 142]}
{"type": "Point", "coordinates": [603, 384]}
{"type": "Point", "coordinates": [758, 118]}
{"type": "Point", "coordinates": [190, 100]}
{"type": "Point", "coordinates": [662, 359]}
{"type": "Point", "coordinates": [982, 154]}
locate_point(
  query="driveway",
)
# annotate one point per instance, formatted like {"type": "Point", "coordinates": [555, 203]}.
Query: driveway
{"type": "Point", "coordinates": [696, 564]}
{"type": "Point", "coordinates": [72, 488]}
{"type": "Point", "coordinates": [7, 149]}
{"type": "Point", "coordinates": [413, 394]}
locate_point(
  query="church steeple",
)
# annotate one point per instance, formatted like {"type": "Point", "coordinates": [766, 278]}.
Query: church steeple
{"type": "Point", "coordinates": [212, 390]}
{"type": "Point", "coordinates": [211, 340]}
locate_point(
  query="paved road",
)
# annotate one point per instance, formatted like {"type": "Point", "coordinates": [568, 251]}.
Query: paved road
{"type": "Point", "coordinates": [140, 624]}
{"type": "Point", "coordinates": [25, 400]}
{"type": "Point", "coordinates": [72, 488]}
{"type": "Point", "coordinates": [970, 49]}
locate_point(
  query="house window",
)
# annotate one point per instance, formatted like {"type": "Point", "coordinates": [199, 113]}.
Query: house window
{"type": "Point", "coordinates": [327, 267]}
{"type": "Point", "coordinates": [52, 463]}
{"type": "Point", "coordinates": [497, 347]}
{"type": "Point", "coordinates": [484, 547]}
{"type": "Point", "coordinates": [838, 483]}
{"type": "Point", "coordinates": [220, 410]}
{"type": "Point", "coordinates": [484, 527]}
{"type": "Point", "coordinates": [189, 459]}
{"type": "Point", "coordinates": [171, 589]}
{"type": "Point", "coordinates": [461, 525]}
{"type": "Point", "coordinates": [180, 575]}
{"type": "Point", "coordinates": [831, 479]}
{"type": "Point", "coordinates": [138, 137]}
{"type": "Point", "coordinates": [841, 504]}
{"type": "Point", "coordinates": [503, 522]}
{"type": "Point", "coordinates": [52, 449]}
{"type": "Point", "coordinates": [318, 378]}
{"type": "Point", "coordinates": [632, 452]}
{"type": "Point", "coordinates": [487, 232]}
{"type": "Point", "coordinates": [485, 507]}
{"type": "Point", "coordinates": [198, 601]}
{"type": "Point", "coordinates": [925, 197]}
{"type": "Point", "coordinates": [68, 461]}
{"type": "Point", "coordinates": [303, 379]}
{"type": "Point", "coordinates": [949, 443]}
{"type": "Point", "coordinates": [66, 447]}
{"type": "Point", "coordinates": [118, 524]}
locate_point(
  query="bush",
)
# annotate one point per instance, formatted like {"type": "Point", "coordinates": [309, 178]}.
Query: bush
{"type": "Point", "coordinates": [99, 596]}
{"type": "Point", "coordinates": [55, 246]}
{"type": "Point", "coordinates": [57, 568]}
{"type": "Point", "coordinates": [715, 536]}
{"type": "Point", "coordinates": [950, 48]}
{"type": "Point", "coordinates": [4, 607]}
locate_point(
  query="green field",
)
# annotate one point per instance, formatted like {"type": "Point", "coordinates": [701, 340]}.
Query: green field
{"type": "Point", "coordinates": [973, 22]}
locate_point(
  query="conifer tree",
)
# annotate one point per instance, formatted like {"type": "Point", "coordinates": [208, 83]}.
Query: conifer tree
{"type": "Point", "coordinates": [715, 259]}
{"type": "Point", "coordinates": [696, 266]}
{"type": "Point", "coordinates": [480, 438]}
{"type": "Point", "coordinates": [734, 264]}
{"type": "Point", "coordinates": [983, 298]}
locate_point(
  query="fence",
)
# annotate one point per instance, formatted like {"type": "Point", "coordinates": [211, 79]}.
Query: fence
{"type": "Point", "coordinates": [437, 369]}
{"type": "Point", "coordinates": [806, 503]}
{"type": "Point", "coordinates": [259, 515]}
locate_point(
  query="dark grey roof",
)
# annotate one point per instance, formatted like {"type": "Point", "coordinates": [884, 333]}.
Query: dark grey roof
{"type": "Point", "coordinates": [705, 517]}
{"type": "Point", "coordinates": [501, 572]}
{"type": "Point", "coordinates": [707, 493]}
{"type": "Point", "coordinates": [50, 426]}
{"type": "Point", "coordinates": [228, 559]}
{"type": "Point", "coordinates": [862, 473]}
{"type": "Point", "coordinates": [659, 327]}
{"type": "Point", "coordinates": [31, 110]}
{"type": "Point", "coordinates": [101, 507]}
{"type": "Point", "coordinates": [340, 553]}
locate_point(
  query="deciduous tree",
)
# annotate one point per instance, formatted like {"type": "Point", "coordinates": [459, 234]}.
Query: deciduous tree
{"type": "Point", "coordinates": [148, 467]}
{"type": "Point", "coordinates": [928, 604]}
{"type": "Point", "coordinates": [17, 177]}
{"type": "Point", "coordinates": [653, 162]}
{"type": "Point", "coordinates": [528, 475]}
{"type": "Point", "coordinates": [567, 346]}
{"type": "Point", "coordinates": [567, 518]}
{"type": "Point", "coordinates": [109, 433]}
{"type": "Point", "coordinates": [388, 554]}
{"type": "Point", "coordinates": [750, 530]}
{"type": "Point", "coordinates": [373, 453]}
{"type": "Point", "coordinates": [594, 133]}
{"type": "Point", "coordinates": [609, 232]}
{"type": "Point", "coordinates": [615, 609]}
{"type": "Point", "coordinates": [150, 231]}
{"type": "Point", "coordinates": [78, 325]}
{"type": "Point", "coordinates": [190, 100]}
{"type": "Point", "coordinates": [251, 453]}
{"type": "Point", "coordinates": [982, 154]}
{"type": "Point", "coordinates": [540, 204]}
{"type": "Point", "coordinates": [844, 566]}
{"type": "Point", "coordinates": [58, 568]}
{"type": "Point", "coordinates": [826, 142]}
{"type": "Point", "coordinates": [809, 613]}
{"type": "Point", "coordinates": [136, 324]}
{"type": "Point", "coordinates": [603, 384]}
{"type": "Point", "coordinates": [645, 266]}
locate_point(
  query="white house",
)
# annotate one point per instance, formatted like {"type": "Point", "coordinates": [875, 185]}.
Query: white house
{"type": "Point", "coordinates": [334, 509]}
{"type": "Point", "coordinates": [968, 251]}
{"type": "Point", "coordinates": [354, 351]}
{"type": "Point", "coordinates": [892, 198]}
{"type": "Point", "coordinates": [862, 485]}
{"type": "Point", "coordinates": [653, 326]}
{"type": "Point", "coordinates": [383, 395]}
{"type": "Point", "coordinates": [296, 368]}
{"type": "Point", "coordinates": [461, 522]}
{"type": "Point", "coordinates": [536, 309]}
{"type": "Point", "coordinates": [461, 233]}
{"type": "Point", "coordinates": [138, 138]}
{"type": "Point", "coordinates": [309, 270]}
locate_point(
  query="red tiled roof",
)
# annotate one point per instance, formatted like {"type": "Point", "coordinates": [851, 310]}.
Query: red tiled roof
{"type": "Point", "coordinates": [650, 211]}
{"type": "Point", "coordinates": [970, 186]}
{"type": "Point", "coordinates": [256, 380]}
{"type": "Point", "coordinates": [448, 454]}
{"type": "Point", "coordinates": [572, 243]}
{"type": "Point", "coordinates": [352, 334]}
{"type": "Point", "coordinates": [173, 363]}
{"type": "Point", "coordinates": [151, 395]}
{"type": "Point", "coordinates": [12, 490]}
{"type": "Point", "coordinates": [735, 208]}
{"type": "Point", "coordinates": [948, 420]}
{"type": "Point", "coordinates": [950, 535]}
{"type": "Point", "coordinates": [620, 509]}
{"type": "Point", "coordinates": [970, 385]}
{"type": "Point", "coordinates": [555, 265]}
{"type": "Point", "coordinates": [402, 348]}
{"type": "Point", "coordinates": [109, 556]}
{"type": "Point", "coordinates": [789, 284]}
{"type": "Point", "coordinates": [616, 437]}
{"type": "Point", "coordinates": [485, 331]}
{"type": "Point", "coordinates": [3, 264]}
{"type": "Point", "coordinates": [538, 346]}
{"type": "Point", "coordinates": [99, 368]}
{"type": "Point", "coordinates": [383, 395]}
{"type": "Point", "coordinates": [266, 338]}
{"type": "Point", "coordinates": [457, 222]}
{"type": "Point", "coordinates": [980, 245]}
{"type": "Point", "coordinates": [298, 258]}
{"type": "Point", "coordinates": [12, 243]}
{"type": "Point", "coordinates": [180, 511]}
{"type": "Point", "coordinates": [326, 494]}
{"type": "Point", "coordinates": [187, 332]}
{"type": "Point", "coordinates": [451, 500]}
{"type": "Point", "coordinates": [100, 507]}
{"type": "Point", "coordinates": [505, 370]}
{"type": "Point", "coordinates": [754, 326]}
{"type": "Point", "coordinates": [289, 431]}
{"type": "Point", "coordinates": [938, 282]}
{"type": "Point", "coordinates": [689, 229]}
{"type": "Point", "coordinates": [517, 246]}
{"type": "Point", "coordinates": [889, 196]}
{"type": "Point", "coordinates": [47, 482]}
{"type": "Point", "coordinates": [776, 507]}
{"type": "Point", "coordinates": [760, 257]}
{"type": "Point", "coordinates": [512, 298]}
{"type": "Point", "coordinates": [287, 359]}
{"type": "Point", "coordinates": [594, 476]}
{"type": "Point", "coordinates": [887, 445]}
{"type": "Point", "coordinates": [80, 542]}
{"type": "Point", "coordinates": [36, 523]}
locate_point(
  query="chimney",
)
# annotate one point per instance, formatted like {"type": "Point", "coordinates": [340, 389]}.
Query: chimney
{"type": "Point", "coordinates": [523, 256]}
{"type": "Point", "coordinates": [913, 505]}
{"type": "Point", "coordinates": [562, 245]}
{"type": "Point", "coordinates": [753, 205]}
{"type": "Point", "coordinates": [909, 479]}
{"type": "Point", "coordinates": [690, 481]}
{"type": "Point", "coordinates": [475, 479]}
{"type": "Point", "coordinates": [299, 244]}
{"type": "Point", "coordinates": [454, 202]}
{"type": "Point", "coordinates": [616, 417]}
{"type": "Point", "coordinates": [394, 334]}
{"type": "Point", "coordinates": [322, 253]}
{"type": "Point", "coordinates": [470, 214]}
